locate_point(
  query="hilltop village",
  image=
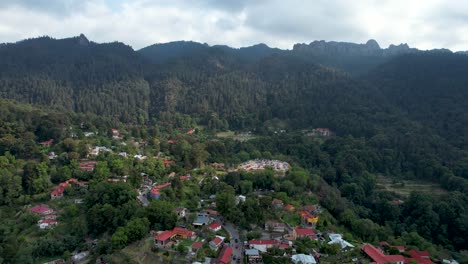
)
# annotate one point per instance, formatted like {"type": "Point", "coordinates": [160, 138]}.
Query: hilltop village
{"type": "Point", "coordinates": [191, 210]}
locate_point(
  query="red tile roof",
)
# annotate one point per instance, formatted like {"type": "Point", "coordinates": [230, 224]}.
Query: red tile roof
{"type": "Point", "coordinates": [214, 225]}
{"type": "Point", "coordinates": [170, 141]}
{"type": "Point", "coordinates": [58, 191]}
{"type": "Point", "coordinates": [225, 255]}
{"type": "Point", "coordinates": [197, 245]}
{"type": "Point", "coordinates": [185, 177]}
{"type": "Point", "coordinates": [182, 231]}
{"type": "Point", "coordinates": [40, 209]}
{"type": "Point", "coordinates": [263, 242]}
{"type": "Point", "coordinates": [164, 236]}
{"type": "Point", "coordinates": [305, 232]}
{"type": "Point", "coordinates": [217, 241]}
{"type": "Point", "coordinates": [47, 143]}
{"type": "Point", "coordinates": [379, 257]}
{"type": "Point", "coordinates": [422, 257]}
{"type": "Point", "coordinates": [156, 188]}
{"type": "Point", "coordinates": [289, 207]}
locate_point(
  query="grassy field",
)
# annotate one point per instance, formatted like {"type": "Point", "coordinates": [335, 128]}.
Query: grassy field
{"type": "Point", "coordinates": [238, 137]}
{"type": "Point", "coordinates": [405, 187]}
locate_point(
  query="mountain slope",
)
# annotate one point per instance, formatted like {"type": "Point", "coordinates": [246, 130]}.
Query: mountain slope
{"type": "Point", "coordinates": [75, 74]}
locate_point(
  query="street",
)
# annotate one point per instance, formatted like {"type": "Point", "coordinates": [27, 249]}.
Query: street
{"type": "Point", "coordinates": [234, 233]}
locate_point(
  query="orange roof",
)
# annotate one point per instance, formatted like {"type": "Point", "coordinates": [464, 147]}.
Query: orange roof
{"type": "Point", "coordinates": [197, 245]}
{"type": "Point", "coordinates": [263, 242]}
{"type": "Point", "coordinates": [305, 232]}
{"type": "Point", "coordinates": [214, 225]}
{"type": "Point", "coordinates": [217, 241]}
{"type": "Point", "coordinates": [225, 255]}
{"type": "Point", "coordinates": [164, 236]}
{"type": "Point", "coordinates": [156, 188]}
{"type": "Point", "coordinates": [289, 207]}
{"type": "Point", "coordinates": [379, 257]}
{"type": "Point", "coordinates": [58, 191]}
{"type": "Point", "coordinates": [182, 231]}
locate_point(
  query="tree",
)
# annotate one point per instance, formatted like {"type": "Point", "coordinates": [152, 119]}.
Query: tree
{"type": "Point", "coordinates": [161, 215]}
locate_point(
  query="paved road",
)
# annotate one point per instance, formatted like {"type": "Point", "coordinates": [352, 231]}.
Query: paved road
{"type": "Point", "coordinates": [234, 233]}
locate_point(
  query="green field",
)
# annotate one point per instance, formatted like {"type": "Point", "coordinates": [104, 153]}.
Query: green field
{"type": "Point", "coordinates": [405, 187]}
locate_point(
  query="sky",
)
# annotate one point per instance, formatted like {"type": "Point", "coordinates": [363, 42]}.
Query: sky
{"type": "Point", "coordinates": [424, 24]}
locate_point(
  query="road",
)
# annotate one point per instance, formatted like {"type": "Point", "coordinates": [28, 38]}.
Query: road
{"type": "Point", "coordinates": [234, 233]}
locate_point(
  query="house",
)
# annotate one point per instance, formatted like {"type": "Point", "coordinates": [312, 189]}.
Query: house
{"type": "Point", "coordinates": [224, 256]}
{"type": "Point", "coordinates": [303, 233]}
{"type": "Point", "coordinates": [240, 198]}
{"type": "Point", "coordinates": [155, 191]}
{"type": "Point", "coordinates": [181, 212]}
{"type": "Point", "coordinates": [277, 204]}
{"type": "Point", "coordinates": [202, 220]}
{"type": "Point", "coordinates": [312, 208]}
{"type": "Point", "coordinates": [163, 239]}
{"type": "Point", "coordinates": [57, 193]}
{"type": "Point", "coordinates": [47, 143]}
{"type": "Point", "coordinates": [253, 255]}
{"type": "Point", "coordinates": [170, 142]}
{"type": "Point", "coordinates": [123, 154]}
{"type": "Point", "coordinates": [167, 162]}
{"type": "Point", "coordinates": [50, 217]}
{"type": "Point", "coordinates": [115, 133]}
{"type": "Point", "coordinates": [216, 243]}
{"type": "Point", "coordinates": [307, 218]}
{"type": "Point", "coordinates": [183, 233]}
{"type": "Point", "coordinates": [210, 212]}
{"type": "Point", "coordinates": [422, 257]}
{"type": "Point", "coordinates": [196, 246]}
{"type": "Point", "coordinates": [140, 157]}
{"type": "Point", "coordinates": [41, 210]}
{"type": "Point", "coordinates": [47, 223]}
{"type": "Point", "coordinates": [303, 259]}
{"type": "Point", "coordinates": [338, 239]}
{"type": "Point", "coordinates": [52, 155]}
{"type": "Point", "coordinates": [88, 165]}
{"type": "Point", "coordinates": [191, 131]}
{"type": "Point", "coordinates": [322, 132]}
{"type": "Point", "coordinates": [89, 134]}
{"type": "Point", "coordinates": [80, 256]}
{"type": "Point", "coordinates": [289, 208]}
{"type": "Point", "coordinates": [379, 257]}
{"type": "Point", "coordinates": [274, 226]}
{"type": "Point", "coordinates": [215, 227]}
{"type": "Point", "coordinates": [185, 177]}
{"type": "Point", "coordinates": [218, 166]}
{"type": "Point", "coordinates": [262, 245]}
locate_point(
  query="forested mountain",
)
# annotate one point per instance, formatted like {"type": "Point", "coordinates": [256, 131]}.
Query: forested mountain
{"type": "Point", "coordinates": [77, 75]}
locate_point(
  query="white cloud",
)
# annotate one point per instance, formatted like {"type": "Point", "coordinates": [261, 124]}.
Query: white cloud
{"type": "Point", "coordinates": [422, 24]}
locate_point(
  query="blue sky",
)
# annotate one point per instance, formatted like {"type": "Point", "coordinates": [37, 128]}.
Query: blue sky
{"type": "Point", "coordinates": [423, 24]}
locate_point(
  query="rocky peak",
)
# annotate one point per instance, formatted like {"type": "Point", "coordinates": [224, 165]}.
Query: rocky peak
{"type": "Point", "coordinates": [82, 40]}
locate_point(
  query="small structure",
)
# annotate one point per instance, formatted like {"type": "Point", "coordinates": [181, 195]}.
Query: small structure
{"type": "Point", "coordinates": [303, 259]}
{"type": "Point", "coordinates": [191, 131]}
{"type": "Point", "coordinates": [163, 240]}
{"type": "Point", "coordinates": [216, 243]}
{"type": "Point", "coordinates": [215, 227]}
{"type": "Point", "coordinates": [202, 219]}
{"type": "Point", "coordinates": [338, 239]}
{"type": "Point", "coordinates": [277, 204]}
{"type": "Point", "coordinates": [217, 166]}
{"type": "Point", "coordinates": [262, 245]}
{"type": "Point", "coordinates": [289, 208]}
{"type": "Point", "coordinates": [379, 257]}
{"type": "Point", "coordinates": [253, 255]}
{"type": "Point", "coordinates": [224, 256]}
{"type": "Point", "coordinates": [181, 212]}
{"type": "Point", "coordinates": [196, 246]}
{"type": "Point", "coordinates": [303, 233]}
{"type": "Point", "coordinates": [41, 210]}
{"type": "Point", "coordinates": [47, 223]}
{"type": "Point", "coordinates": [308, 219]}
{"type": "Point", "coordinates": [88, 165]}
{"type": "Point", "coordinates": [275, 226]}
{"type": "Point", "coordinates": [155, 191]}
{"type": "Point", "coordinates": [80, 256]}
{"type": "Point", "coordinates": [47, 143]}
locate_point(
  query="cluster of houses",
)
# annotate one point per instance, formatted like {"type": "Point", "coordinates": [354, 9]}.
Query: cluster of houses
{"type": "Point", "coordinates": [324, 132]}
{"type": "Point", "coordinates": [47, 214]}
{"type": "Point", "coordinates": [378, 256]}
{"type": "Point", "coordinates": [58, 192]}
{"type": "Point", "coordinates": [262, 164]}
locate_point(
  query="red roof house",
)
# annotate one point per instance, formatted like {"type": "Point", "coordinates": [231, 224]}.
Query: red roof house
{"type": "Point", "coordinates": [196, 246]}
{"type": "Point", "coordinates": [183, 233]}
{"type": "Point", "coordinates": [41, 209]}
{"type": "Point", "coordinates": [47, 143]}
{"type": "Point", "coordinates": [379, 257]}
{"type": "Point", "coordinates": [164, 238]}
{"type": "Point", "coordinates": [422, 257]}
{"type": "Point", "coordinates": [289, 208]}
{"type": "Point", "coordinates": [57, 193]}
{"type": "Point", "coordinates": [224, 256]}
{"type": "Point", "coordinates": [304, 232]}
{"type": "Point", "coordinates": [215, 227]}
{"type": "Point", "coordinates": [191, 131]}
{"type": "Point", "coordinates": [215, 243]}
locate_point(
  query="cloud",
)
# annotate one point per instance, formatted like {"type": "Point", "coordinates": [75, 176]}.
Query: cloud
{"type": "Point", "coordinates": [423, 24]}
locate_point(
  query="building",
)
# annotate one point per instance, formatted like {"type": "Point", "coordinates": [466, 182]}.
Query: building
{"type": "Point", "coordinates": [274, 226]}
{"type": "Point", "coordinates": [277, 203]}
{"type": "Point", "coordinates": [262, 245]}
{"type": "Point", "coordinates": [216, 243]}
{"type": "Point", "coordinates": [47, 223]}
{"type": "Point", "coordinates": [41, 210]}
{"type": "Point", "coordinates": [304, 233]}
{"type": "Point", "coordinates": [253, 255]}
{"type": "Point", "coordinates": [155, 191]}
{"type": "Point", "coordinates": [88, 165]}
{"type": "Point", "coordinates": [47, 143]}
{"type": "Point", "coordinates": [422, 257]}
{"type": "Point", "coordinates": [215, 227]}
{"type": "Point", "coordinates": [338, 239]}
{"type": "Point", "coordinates": [181, 212]}
{"type": "Point", "coordinates": [289, 208]}
{"type": "Point", "coordinates": [379, 257]}
{"type": "Point", "coordinates": [202, 220]}
{"type": "Point", "coordinates": [303, 259]}
{"type": "Point", "coordinates": [224, 256]}
{"type": "Point", "coordinates": [57, 193]}
{"type": "Point", "coordinates": [163, 240]}
{"type": "Point", "coordinates": [308, 219]}
{"type": "Point", "coordinates": [196, 246]}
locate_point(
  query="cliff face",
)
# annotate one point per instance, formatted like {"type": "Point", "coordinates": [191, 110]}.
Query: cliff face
{"type": "Point", "coordinates": [370, 48]}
